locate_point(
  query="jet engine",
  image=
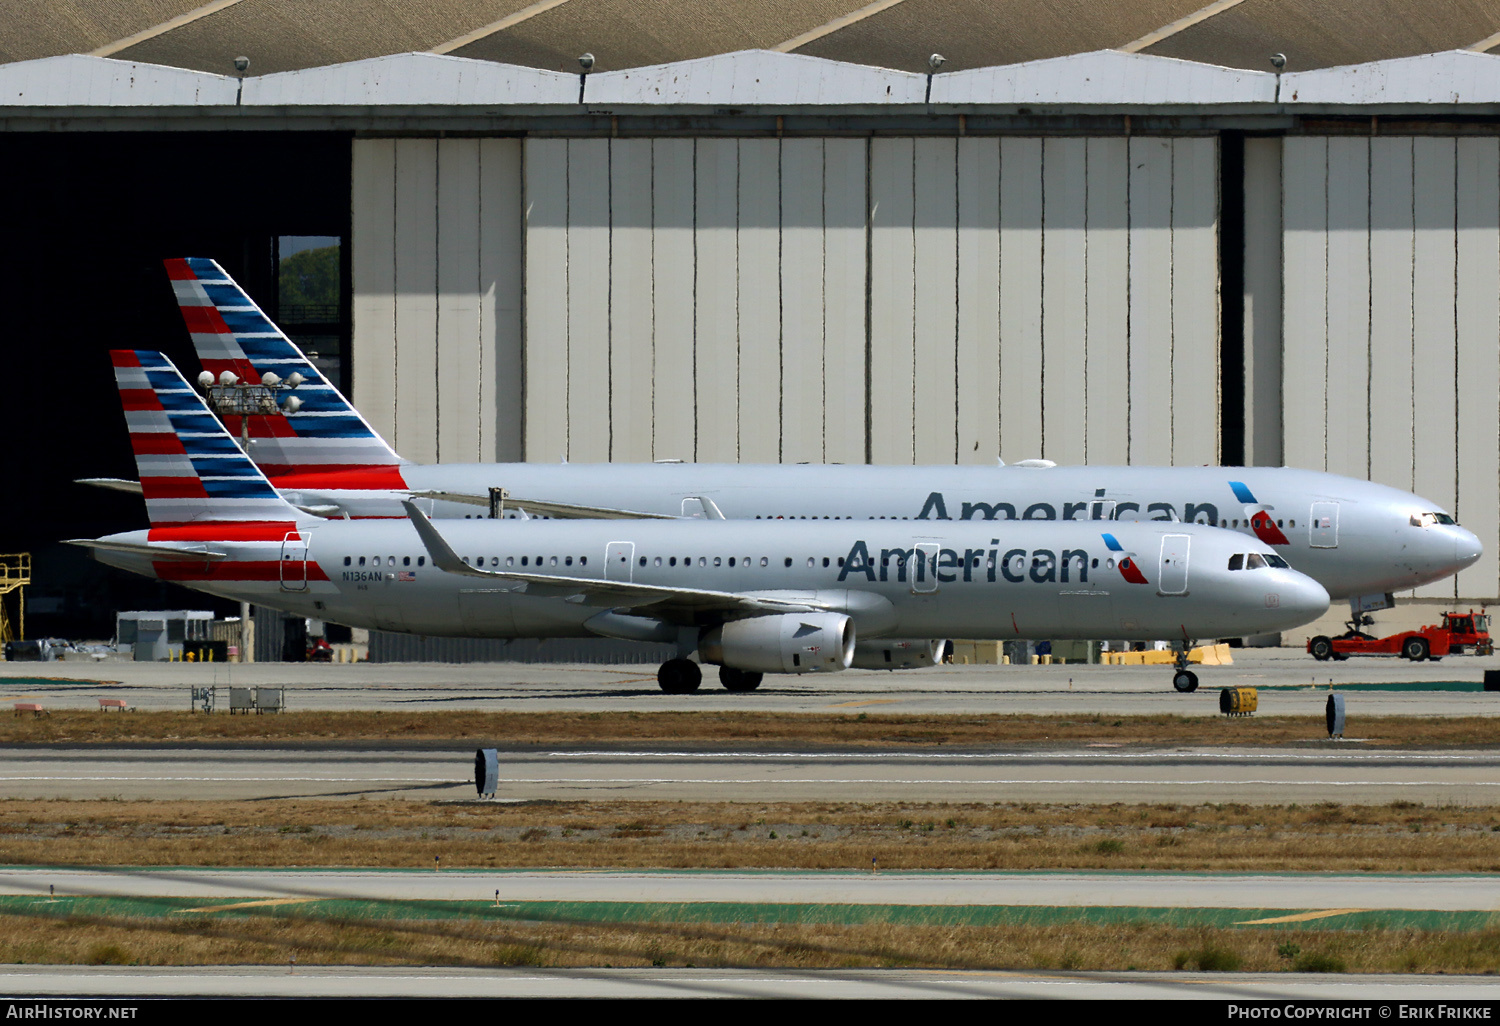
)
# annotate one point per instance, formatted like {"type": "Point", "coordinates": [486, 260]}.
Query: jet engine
{"type": "Point", "coordinates": [784, 643]}
{"type": "Point", "coordinates": [899, 653]}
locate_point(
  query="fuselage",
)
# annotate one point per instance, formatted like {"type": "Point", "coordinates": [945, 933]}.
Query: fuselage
{"type": "Point", "coordinates": [1354, 537]}
{"type": "Point", "coordinates": [895, 579]}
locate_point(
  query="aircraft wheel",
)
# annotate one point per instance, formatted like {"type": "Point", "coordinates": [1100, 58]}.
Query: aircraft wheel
{"type": "Point", "coordinates": [1185, 681]}
{"type": "Point", "coordinates": [1415, 649]}
{"type": "Point", "coordinates": [739, 680]}
{"type": "Point", "coordinates": [679, 676]}
{"type": "Point", "coordinates": [1321, 648]}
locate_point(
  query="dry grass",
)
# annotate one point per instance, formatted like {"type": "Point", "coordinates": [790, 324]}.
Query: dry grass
{"type": "Point", "coordinates": [1399, 837]}
{"type": "Point", "coordinates": [1138, 946]}
{"type": "Point", "coordinates": [861, 729]}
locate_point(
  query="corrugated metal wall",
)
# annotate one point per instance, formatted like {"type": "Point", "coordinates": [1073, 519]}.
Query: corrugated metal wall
{"type": "Point", "coordinates": [903, 300]}
{"type": "Point", "coordinates": [1392, 322]}
{"type": "Point", "coordinates": [437, 295]}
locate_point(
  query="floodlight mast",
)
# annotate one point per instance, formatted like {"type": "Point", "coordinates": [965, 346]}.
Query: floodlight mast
{"type": "Point", "coordinates": [231, 396]}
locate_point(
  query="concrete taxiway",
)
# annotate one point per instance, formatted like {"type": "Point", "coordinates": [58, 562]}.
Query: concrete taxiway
{"type": "Point", "coordinates": [1449, 892]}
{"type": "Point", "coordinates": [1291, 683]}
{"type": "Point", "coordinates": [1324, 771]}
{"type": "Point", "coordinates": [22, 982]}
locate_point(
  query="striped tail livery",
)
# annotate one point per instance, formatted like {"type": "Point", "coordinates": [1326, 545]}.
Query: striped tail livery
{"type": "Point", "coordinates": [192, 471]}
{"type": "Point", "coordinates": [326, 438]}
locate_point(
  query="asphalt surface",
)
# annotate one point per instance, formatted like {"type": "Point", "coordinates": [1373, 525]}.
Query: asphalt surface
{"type": "Point", "coordinates": [1450, 892]}
{"type": "Point", "coordinates": [1292, 682]}
{"type": "Point", "coordinates": [1322, 772]}
{"type": "Point", "coordinates": [21, 982]}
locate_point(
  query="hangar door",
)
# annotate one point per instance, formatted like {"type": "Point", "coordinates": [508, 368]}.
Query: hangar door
{"type": "Point", "coordinates": [1391, 362]}
{"type": "Point", "coordinates": [893, 300]}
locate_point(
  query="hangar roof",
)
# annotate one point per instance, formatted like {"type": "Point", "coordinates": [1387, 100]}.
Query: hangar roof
{"type": "Point", "coordinates": [285, 35]}
{"type": "Point", "coordinates": [1107, 80]}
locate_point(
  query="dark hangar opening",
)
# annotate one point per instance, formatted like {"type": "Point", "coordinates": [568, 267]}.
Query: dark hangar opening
{"type": "Point", "coordinates": [88, 218]}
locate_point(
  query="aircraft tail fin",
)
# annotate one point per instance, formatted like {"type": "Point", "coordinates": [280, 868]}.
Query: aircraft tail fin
{"type": "Point", "coordinates": [192, 471]}
{"type": "Point", "coordinates": [230, 332]}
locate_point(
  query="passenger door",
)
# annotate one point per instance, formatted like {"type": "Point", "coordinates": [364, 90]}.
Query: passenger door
{"type": "Point", "coordinates": [924, 578]}
{"type": "Point", "coordinates": [1324, 525]}
{"type": "Point", "coordinates": [293, 563]}
{"type": "Point", "coordinates": [619, 561]}
{"type": "Point", "coordinates": [1173, 573]}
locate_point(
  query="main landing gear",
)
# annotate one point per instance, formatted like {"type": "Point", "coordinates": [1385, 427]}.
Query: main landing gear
{"type": "Point", "coordinates": [1183, 679]}
{"type": "Point", "coordinates": [680, 676]}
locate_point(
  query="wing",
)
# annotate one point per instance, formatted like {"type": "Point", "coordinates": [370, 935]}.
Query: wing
{"type": "Point", "coordinates": [675, 605]}
{"type": "Point", "coordinates": [114, 484]}
{"type": "Point", "coordinates": [547, 508]}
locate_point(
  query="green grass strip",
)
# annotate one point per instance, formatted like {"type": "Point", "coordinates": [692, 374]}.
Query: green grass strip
{"type": "Point", "coordinates": [742, 913]}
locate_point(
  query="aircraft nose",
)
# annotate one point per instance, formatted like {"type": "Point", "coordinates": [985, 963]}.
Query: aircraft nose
{"type": "Point", "coordinates": [1303, 599]}
{"type": "Point", "coordinates": [1466, 547]}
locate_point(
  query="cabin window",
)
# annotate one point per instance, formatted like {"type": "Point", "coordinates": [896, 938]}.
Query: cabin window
{"type": "Point", "coordinates": [421, 561]}
{"type": "Point", "coordinates": [569, 561]}
{"type": "Point", "coordinates": [361, 560]}
{"type": "Point", "coordinates": [671, 561]}
{"type": "Point", "coordinates": [348, 560]}
{"type": "Point", "coordinates": [523, 561]}
{"type": "Point", "coordinates": [643, 561]}
{"type": "Point", "coordinates": [764, 561]}
{"type": "Point", "coordinates": [718, 561]}
{"type": "Point", "coordinates": [510, 560]}
{"type": "Point", "coordinates": [789, 561]}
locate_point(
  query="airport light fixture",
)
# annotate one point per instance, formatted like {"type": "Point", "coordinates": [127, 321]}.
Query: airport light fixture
{"type": "Point", "coordinates": [232, 396]}
{"type": "Point", "coordinates": [229, 395]}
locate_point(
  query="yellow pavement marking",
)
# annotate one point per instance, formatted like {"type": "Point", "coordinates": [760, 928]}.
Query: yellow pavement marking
{"type": "Point", "coordinates": [1167, 31]}
{"type": "Point", "coordinates": [510, 20]}
{"type": "Point", "coordinates": [252, 904]}
{"type": "Point", "coordinates": [853, 17]}
{"type": "Point", "coordinates": [872, 701]}
{"type": "Point", "coordinates": [1302, 917]}
{"type": "Point", "coordinates": [167, 26]}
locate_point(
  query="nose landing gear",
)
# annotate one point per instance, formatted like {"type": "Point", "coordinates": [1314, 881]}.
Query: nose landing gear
{"type": "Point", "coordinates": [1183, 679]}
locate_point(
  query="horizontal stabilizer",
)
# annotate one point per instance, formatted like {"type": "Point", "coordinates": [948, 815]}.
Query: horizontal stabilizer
{"type": "Point", "coordinates": [114, 484]}
{"type": "Point", "coordinates": [149, 551]}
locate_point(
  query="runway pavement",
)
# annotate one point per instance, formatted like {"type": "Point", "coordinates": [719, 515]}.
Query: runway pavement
{"type": "Point", "coordinates": [1429, 891]}
{"type": "Point", "coordinates": [20, 982]}
{"type": "Point", "coordinates": [1324, 771]}
{"type": "Point", "coordinates": [1292, 683]}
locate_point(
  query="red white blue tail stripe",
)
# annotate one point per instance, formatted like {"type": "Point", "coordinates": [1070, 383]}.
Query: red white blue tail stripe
{"type": "Point", "coordinates": [230, 332]}
{"type": "Point", "coordinates": [191, 470]}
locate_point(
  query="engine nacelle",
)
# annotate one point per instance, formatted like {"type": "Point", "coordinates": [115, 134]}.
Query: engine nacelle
{"type": "Point", "coordinates": [899, 653]}
{"type": "Point", "coordinates": [784, 643]}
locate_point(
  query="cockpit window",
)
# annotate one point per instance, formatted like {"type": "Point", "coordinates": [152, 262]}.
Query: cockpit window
{"type": "Point", "coordinates": [1257, 561]}
{"type": "Point", "coordinates": [1431, 519]}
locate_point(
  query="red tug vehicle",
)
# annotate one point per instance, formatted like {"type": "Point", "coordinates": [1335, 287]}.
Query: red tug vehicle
{"type": "Point", "coordinates": [1457, 632]}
